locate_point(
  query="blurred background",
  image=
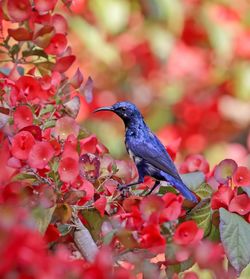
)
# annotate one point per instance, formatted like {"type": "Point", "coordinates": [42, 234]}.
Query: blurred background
{"type": "Point", "coordinates": [184, 63]}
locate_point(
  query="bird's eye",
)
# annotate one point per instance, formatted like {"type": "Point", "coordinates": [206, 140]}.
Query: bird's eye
{"type": "Point", "coordinates": [123, 108]}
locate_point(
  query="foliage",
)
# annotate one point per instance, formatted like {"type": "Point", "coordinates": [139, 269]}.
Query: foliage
{"type": "Point", "coordinates": [58, 181]}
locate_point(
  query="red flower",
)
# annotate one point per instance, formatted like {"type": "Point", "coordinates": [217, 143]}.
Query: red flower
{"type": "Point", "coordinates": [68, 169]}
{"type": "Point", "coordinates": [190, 275]}
{"type": "Point", "coordinates": [195, 162]}
{"type": "Point", "coordinates": [22, 144]}
{"type": "Point", "coordinates": [19, 10]}
{"type": "Point", "coordinates": [44, 5]}
{"type": "Point", "coordinates": [66, 126]}
{"type": "Point", "coordinates": [240, 204]}
{"type": "Point", "coordinates": [40, 154]}
{"type": "Point", "coordinates": [89, 144]}
{"type": "Point", "coordinates": [152, 239]}
{"type": "Point", "coordinates": [173, 207]}
{"type": "Point", "coordinates": [23, 117]}
{"type": "Point", "coordinates": [242, 176]}
{"type": "Point", "coordinates": [87, 187]}
{"type": "Point", "coordinates": [89, 166]}
{"type": "Point", "coordinates": [29, 88]}
{"type": "Point", "coordinates": [222, 197]}
{"type": "Point", "coordinates": [151, 206]}
{"type": "Point", "coordinates": [34, 130]}
{"type": "Point", "coordinates": [51, 234]}
{"type": "Point", "coordinates": [59, 23]}
{"type": "Point", "coordinates": [209, 254]}
{"type": "Point", "coordinates": [187, 233]}
{"type": "Point", "coordinates": [57, 44]}
{"type": "Point", "coordinates": [242, 44]}
{"type": "Point", "coordinates": [225, 170]}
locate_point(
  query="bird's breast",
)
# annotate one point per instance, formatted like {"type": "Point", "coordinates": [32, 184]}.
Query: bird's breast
{"type": "Point", "coordinates": [135, 158]}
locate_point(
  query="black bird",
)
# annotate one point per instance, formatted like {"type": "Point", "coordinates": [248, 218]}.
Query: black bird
{"type": "Point", "coordinates": [148, 153]}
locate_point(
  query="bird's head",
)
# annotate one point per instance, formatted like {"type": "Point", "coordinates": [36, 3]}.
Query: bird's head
{"type": "Point", "coordinates": [126, 110]}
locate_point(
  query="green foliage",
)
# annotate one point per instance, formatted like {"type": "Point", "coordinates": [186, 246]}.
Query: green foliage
{"type": "Point", "coordinates": [235, 236]}
{"type": "Point", "coordinates": [42, 217]}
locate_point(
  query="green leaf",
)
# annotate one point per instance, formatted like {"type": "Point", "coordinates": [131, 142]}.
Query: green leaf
{"type": "Point", "coordinates": [94, 220]}
{"type": "Point", "coordinates": [109, 237]}
{"type": "Point", "coordinates": [214, 234]}
{"type": "Point", "coordinates": [202, 215]}
{"type": "Point", "coordinates": [36, 52]}
{"type": "Point", "coordinates": [14, 49]}
{"type": "Point", "coordinates": [170, 255]}
{"type": "Point", "coordinates": [42, 217]}
{"type": "Point", "coordinates": [64, 229]}
{"type": "Point", "coordinates": [204, 191]}
{"type": "Point", "coordinates": [47, 109]}
{"type": "Point", "coordinates": [49, 124]}
{"type": "Point", "coordinates": [24, 176]}
{"type": "Point", "coordinates": [177, 268]}
{"type": "Point", "coordinates": [193, 179]}
{"type": "Point", "coordinates": [235, 237]}
{"type": "Point", "coordinates": [166, 189]}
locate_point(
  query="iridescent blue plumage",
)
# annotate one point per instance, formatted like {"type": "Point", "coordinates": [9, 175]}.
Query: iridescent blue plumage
{"type": "Point", "coordinates": [148, 153]}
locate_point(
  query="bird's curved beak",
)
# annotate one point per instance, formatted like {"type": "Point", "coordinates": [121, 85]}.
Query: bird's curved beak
{"type": "Point", "coordinates": [104, 109]}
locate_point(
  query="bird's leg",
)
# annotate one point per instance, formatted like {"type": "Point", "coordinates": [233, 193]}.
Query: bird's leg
{"type": "Point", "coordinates": [124, 187]}
{"type": "Point", "coordinates": [121, 187]}
{"type": "Point", "coordinates": [157, 182]}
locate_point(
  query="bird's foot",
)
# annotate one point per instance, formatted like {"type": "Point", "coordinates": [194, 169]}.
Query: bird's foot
{"type": "Point", "coordinates": [123, 189]}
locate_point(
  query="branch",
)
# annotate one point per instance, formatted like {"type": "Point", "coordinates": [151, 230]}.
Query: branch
{"type": "Point", "coordinates": [84, 241]}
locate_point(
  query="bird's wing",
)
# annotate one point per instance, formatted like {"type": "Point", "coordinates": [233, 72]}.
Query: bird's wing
{"type": "Point", "coordinates": [152, 150]}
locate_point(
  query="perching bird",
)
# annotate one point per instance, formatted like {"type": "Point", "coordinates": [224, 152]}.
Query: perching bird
{"type": "Point", "coordinates": [148, 153]}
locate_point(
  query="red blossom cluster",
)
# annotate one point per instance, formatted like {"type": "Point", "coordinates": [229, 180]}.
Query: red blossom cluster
{"type": "Point", "coordinates": [230, 177]}
{"type": "Point", "coordinates": [55, 175]}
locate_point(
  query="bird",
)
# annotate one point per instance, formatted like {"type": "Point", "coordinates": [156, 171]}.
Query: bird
{"type": "Point", "coordinates": [146, 150]}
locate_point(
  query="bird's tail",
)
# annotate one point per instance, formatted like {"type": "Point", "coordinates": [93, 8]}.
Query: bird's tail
{"type": "Point", "coordinates": [181, 187]}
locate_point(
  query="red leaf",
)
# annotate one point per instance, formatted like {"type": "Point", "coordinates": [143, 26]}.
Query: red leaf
{"type": "Point", "coordinates": [77, 79]}
{"type": "Point", "coordinates": [63, 63]}
{"type": "Point", "coordinates": [100, 205]}
{"type": "Point", "coordinates": [20, 34]}
{"type": "Point", "coordinates": [87, 90]}
{"type": "Point", "coordinates": [72, 107]}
